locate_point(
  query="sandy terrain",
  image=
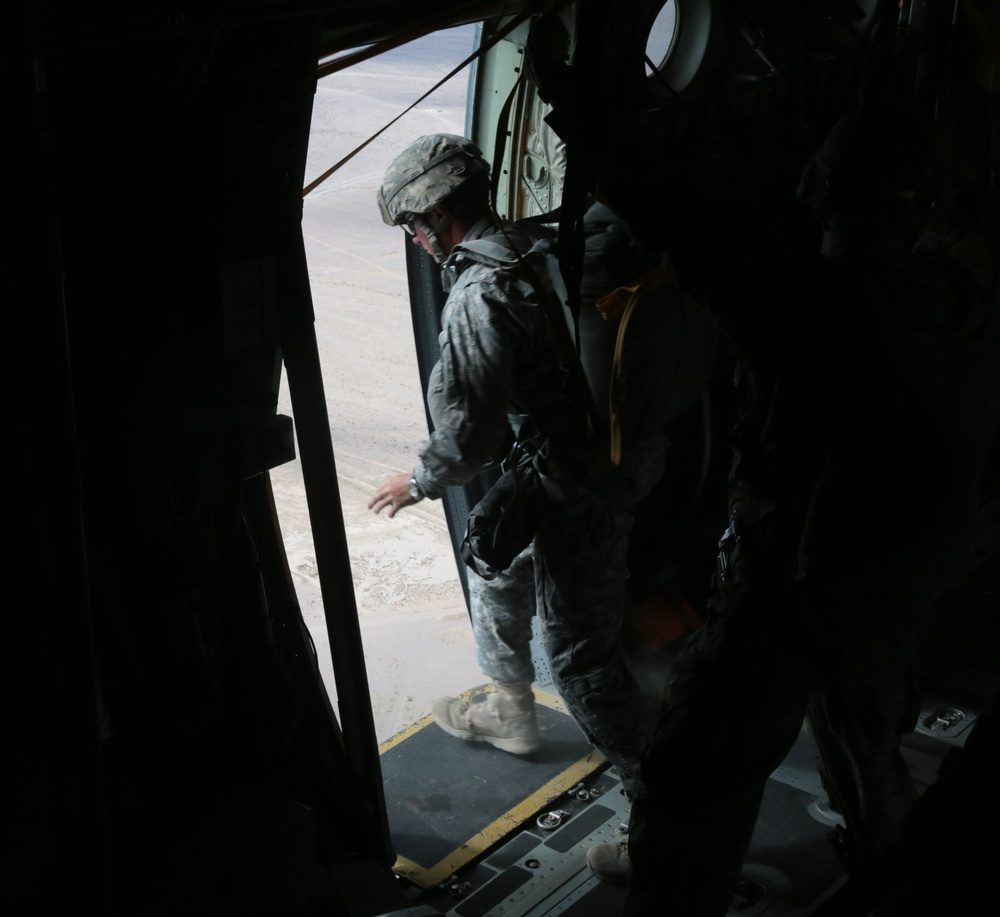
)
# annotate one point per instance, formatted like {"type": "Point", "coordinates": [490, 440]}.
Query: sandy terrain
{"type": "Point", "coordinates": [418, 643]}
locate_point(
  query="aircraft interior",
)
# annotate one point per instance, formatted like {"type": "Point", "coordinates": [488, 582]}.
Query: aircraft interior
{"type": "Point", "coordinates": [181, 756]}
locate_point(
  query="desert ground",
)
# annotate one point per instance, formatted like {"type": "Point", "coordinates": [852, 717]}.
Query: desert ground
{"type": "Point", "coordinates": [415, 628]}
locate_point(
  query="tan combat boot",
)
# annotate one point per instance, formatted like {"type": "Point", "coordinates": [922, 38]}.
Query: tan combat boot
{"type": "Point", "coordinates": [506, 719]}
{"type": "Point", "coordinates": [610, 862]}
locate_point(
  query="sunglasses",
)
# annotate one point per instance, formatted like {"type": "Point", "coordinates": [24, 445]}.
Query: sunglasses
{"type": "Point", "coordinates": [407, 224]}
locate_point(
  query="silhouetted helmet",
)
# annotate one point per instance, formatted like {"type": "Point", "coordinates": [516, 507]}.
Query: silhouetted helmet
{"type": "Point", "coordinates": [872, 161]}
{"type": "Point", "coordinates": [425, 173]}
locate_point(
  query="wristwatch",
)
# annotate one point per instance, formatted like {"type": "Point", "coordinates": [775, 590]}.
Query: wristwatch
{"type": "Point", "coordinates": [416, 494]}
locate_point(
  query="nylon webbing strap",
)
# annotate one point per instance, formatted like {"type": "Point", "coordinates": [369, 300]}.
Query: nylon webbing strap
{"type": "Point", "coordinates": [565, 343]}
{"type": "Point", "coordinates": [550, 306]}
{"type": "Point", "coordinates": [500, 142]}
{"type": "Point", "coordinates": [482, 49]}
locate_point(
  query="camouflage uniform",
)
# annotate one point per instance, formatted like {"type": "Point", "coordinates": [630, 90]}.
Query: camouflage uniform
{"type": "Point", "coordinates": [497, 354]}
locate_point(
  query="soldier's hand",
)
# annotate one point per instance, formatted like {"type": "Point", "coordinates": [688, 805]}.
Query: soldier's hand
{"type": "Point", "coordinates": [393, 493]}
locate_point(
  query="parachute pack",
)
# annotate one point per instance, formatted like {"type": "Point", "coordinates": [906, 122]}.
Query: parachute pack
{"type": "Point", "coordinates": [646, 351]}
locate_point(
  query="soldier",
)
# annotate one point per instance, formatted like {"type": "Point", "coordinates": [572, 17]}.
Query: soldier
{"type": "Point", "coordinates": [875, 393]}
{"type": "Point", "coordinates": [500, 365]}
{"type": "Point", "coordinates": [498, 357]}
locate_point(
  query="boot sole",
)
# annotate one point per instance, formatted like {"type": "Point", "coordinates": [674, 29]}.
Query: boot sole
{"type": "Point", "coordinates": [517, 745]}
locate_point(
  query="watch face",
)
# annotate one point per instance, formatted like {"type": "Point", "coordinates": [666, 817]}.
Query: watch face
{"type": "Point", "coordinates": [414, 489]}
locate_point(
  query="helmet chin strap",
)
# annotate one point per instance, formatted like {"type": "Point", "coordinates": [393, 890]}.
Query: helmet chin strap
{"type": "Point", "coordinates": [437, 250]}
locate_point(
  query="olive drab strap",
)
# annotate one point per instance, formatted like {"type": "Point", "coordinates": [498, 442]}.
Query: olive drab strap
{"type": "Point", "coordinates": [623, 302]}
{"type": "Point", "coordinates": [551, 298]}
{"type": "Point", "coordinates": [500, 142]}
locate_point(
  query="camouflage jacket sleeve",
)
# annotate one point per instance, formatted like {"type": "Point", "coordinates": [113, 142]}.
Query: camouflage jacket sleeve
{"type": "Point", "coordinates": [487, 322]}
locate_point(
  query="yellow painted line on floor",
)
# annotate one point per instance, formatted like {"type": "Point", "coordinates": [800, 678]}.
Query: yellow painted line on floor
{"type": "Point", "coordinates": [405, 734]}
{"type": "Point", "coordinates": [504, 825]}
{"type": "Point", "coordinates": [553, 701]}
{"type": "Point", "coordinates": [512, 819]}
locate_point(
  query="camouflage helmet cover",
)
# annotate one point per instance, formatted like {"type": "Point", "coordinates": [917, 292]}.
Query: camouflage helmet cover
{"type": "Point", "coordinates": [425, 173]}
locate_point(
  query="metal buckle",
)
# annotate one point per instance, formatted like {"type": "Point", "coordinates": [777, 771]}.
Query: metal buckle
{"type": "Point", "coordinates": [727, 545]}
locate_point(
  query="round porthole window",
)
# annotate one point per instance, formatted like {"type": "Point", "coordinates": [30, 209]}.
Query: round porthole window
{"type": "Point", "coordinates": [675, 45]}
{"type": "Point", "coordinates": [661, 37]}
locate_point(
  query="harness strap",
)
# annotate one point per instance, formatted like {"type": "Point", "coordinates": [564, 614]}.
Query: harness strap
{"type": "Point", "coordinates": [494, 252]}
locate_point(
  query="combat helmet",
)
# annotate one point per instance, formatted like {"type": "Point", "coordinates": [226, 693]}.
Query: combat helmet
{"type": "Point", "coordinates": [425, 173]}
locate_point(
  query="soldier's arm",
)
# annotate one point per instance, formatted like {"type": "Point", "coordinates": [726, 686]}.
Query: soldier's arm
{"type": "Point", "coordinates": [480, 342]}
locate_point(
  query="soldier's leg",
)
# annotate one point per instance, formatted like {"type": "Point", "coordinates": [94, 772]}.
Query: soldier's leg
{"type": "Point", "coordinates": [502, 609]}
{"type": "Point", "coordinates": [858, 721]}
{"type": "Point", "coordinates": [580, 581]}
{"type": "Point", "coordinates": [733, 707]}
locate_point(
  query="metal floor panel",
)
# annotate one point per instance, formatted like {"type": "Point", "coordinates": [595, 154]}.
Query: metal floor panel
{"type": "Point", "coordinates": [543, 869]}
{"type": "Point", "coordinates": [791, 867]}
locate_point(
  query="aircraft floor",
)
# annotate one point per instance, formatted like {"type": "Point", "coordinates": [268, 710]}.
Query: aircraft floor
{"type": "Point", "coordinates": [449, 801]}
{"type": "Point", "coordinates": [791, 867]}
